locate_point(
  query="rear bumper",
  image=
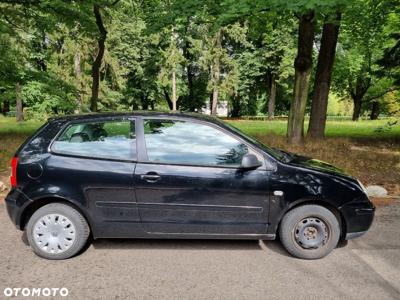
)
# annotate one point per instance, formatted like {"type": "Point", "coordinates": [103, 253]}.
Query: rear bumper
{"type": "Point", "coordinates": [358, 217]}
{"type": "Point", "coordinates": [16, 201]}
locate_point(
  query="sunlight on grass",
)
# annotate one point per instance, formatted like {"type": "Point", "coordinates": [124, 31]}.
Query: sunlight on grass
{"type": "Point", "coordinates": [9, 125]}
{"type": "Point", "coordinates": [364, 128]}
{"type": "Point", "coordinates": [12, 135]}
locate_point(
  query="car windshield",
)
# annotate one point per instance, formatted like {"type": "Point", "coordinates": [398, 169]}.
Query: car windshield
{"type": "Point", "coordinates": [276, 153]}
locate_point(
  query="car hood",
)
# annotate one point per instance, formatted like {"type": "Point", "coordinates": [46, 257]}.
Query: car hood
{"type": "Point", "coordinates": [317, 165]}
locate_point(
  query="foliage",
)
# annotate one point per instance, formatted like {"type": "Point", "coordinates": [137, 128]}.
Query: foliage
{"type": "Point", "coordinates": [48, 47]}
{"type": "Point", "coordinates": [358, 73]}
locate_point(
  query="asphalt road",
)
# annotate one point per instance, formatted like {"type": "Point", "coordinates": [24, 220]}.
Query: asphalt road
{"type": "Point", "coordinates": [366, 268]}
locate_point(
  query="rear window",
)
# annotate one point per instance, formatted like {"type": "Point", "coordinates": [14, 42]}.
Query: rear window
{"type": "Point", "coordinates": [114, 139]}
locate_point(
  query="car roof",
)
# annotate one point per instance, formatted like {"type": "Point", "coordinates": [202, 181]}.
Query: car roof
{"type": "Point", "coordinates": [94, 116]}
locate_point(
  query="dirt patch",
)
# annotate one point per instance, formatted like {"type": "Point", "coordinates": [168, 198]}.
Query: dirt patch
{"type": "Point", "coordinates": [9, 143]}
{"type": "Point", "coordinates": [375, 164]}
{"type": "Point", "coordinates": [4, 177]}
{"type": "Point", "coordinates": [384, 201]}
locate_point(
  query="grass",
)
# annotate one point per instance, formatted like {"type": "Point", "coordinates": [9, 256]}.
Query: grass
{"type": "Point", "coordinates": [349, 129]}
{"type": "Point", "coordinates": [13, 134]}
{"type": "Point", "coordinates": [10, 126]}
{"type": "Point", "coordinates": [356, 147]}
{"type": "Point", "coordinates": [359, 148]}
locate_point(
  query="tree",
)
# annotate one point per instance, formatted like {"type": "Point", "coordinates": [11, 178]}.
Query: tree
{"type": "Point", "coordinates": [216, 71]}
{"type": "Point", "coordinates": [303, 67]}
{"type": "Point", "coordinates": [19, 108]}
{"type": "Point", "coordinates": [70, 56]}
{"type": "Point", "coordinates": [358, 74]}
{"type": "Point", "coordinates": [99, 57]}
{"type": "Point", "coordinates": [170, 67]}
{"type": "Point", "coordinates": [323, 75]}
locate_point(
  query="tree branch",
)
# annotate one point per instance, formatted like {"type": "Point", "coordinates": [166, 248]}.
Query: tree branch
{"type": "Point", "coordinates": [21, 2]}
{"type": "Point", "coordinates": [391, 89]}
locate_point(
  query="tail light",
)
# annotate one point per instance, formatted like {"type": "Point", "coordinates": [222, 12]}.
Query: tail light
{"type": "Point", "coordinates": [13, 178]}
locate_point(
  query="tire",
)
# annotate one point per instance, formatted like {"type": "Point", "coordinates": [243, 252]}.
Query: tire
{"type": "Point", "coordinates": [57, 231]}
{"type": "Point", "coordinates": [309, 231]}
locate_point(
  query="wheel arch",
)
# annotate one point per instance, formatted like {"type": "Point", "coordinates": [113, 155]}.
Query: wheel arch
{"type": "Point", "coordinates": [325, 204]}
{"type": "Point", "coordinates": [38, 203]}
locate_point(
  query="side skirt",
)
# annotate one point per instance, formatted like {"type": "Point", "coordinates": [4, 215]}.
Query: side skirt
{"type": "Point", "coordinates": [197, 236]}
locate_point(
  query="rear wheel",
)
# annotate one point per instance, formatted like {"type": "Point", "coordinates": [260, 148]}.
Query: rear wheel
{"type": "Point", "coordinates": [57, 231]}
{"type": "Point", "coordinates": [309, 231]}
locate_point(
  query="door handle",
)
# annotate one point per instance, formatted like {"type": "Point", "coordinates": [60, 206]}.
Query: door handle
{"type": "Point", "coordinates": [150, 177]}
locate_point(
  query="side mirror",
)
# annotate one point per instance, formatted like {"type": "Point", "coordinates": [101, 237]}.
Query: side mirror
{"type": "Point", "coordinates": [250, 161]}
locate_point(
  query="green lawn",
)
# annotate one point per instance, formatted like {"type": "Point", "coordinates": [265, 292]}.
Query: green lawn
{"type": "Point", "coordinates": [10, 126]}
{"type": "Point", "coordinates": [364, 128]}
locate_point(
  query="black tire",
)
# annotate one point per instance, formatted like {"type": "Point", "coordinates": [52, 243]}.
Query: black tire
{"type": "Point", "coordinates": [298, 220]}
{"type": "Point", "coordinates": [81, 232]}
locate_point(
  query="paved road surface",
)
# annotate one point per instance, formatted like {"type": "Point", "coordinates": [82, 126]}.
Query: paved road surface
{"type": "Point", "coordinates": [367, 268]}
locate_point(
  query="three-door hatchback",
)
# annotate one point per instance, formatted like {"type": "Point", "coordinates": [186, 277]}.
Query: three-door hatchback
{"type": "Point", "coordinates": [174, 175]}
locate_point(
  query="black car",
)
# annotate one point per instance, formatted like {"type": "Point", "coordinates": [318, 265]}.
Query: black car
{"type": "Point", "coordinates": [175, 175]}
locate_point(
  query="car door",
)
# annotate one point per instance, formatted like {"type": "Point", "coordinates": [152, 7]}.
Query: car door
{"type": "Point", "coordinates": [95, 160]}
{"type": "Point", "coordinates": [189, 181]}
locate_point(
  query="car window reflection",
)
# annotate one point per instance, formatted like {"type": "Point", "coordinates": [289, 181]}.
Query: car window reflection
{"type": "Point", "coordinates": [191, 143]}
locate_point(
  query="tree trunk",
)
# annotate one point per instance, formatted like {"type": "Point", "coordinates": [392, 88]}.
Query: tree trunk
{"type": "Point", "coordinates": [97, 62]}
{"type": "Point", "coordinates": [214, 101]}
{"type": "Point", "coordinates": [145, 103]}
{"type": "Point", "coordinates": [168, 99]}
{"type": "Point", "coordinates": [19, 110]}
{"type": "Point", "coordinates": [326, 58]}
{"type": "Point", "coordinates": [216, 75]}
{"type": "Point", "coordinates": [357, 92]}
{"type": "Point", "coordinates": [375, 111]}
{"type": "Point", "coordinates": [303, 66]}
{"type": "Point", "coordinates": [357, 108]}
{"type": "Point", "coordinates": [135, 106]}
{"type": "Point", "coordinates": [272, 98]}
{"type": "Point", "coordinates": [173, 91]}
{"type": "Point", "coordinates": [235, 110]}
{"type": "Point", "coordinates": [190, 100]}
{"type": "Point", "coordinates": [6, 107]}
{"type": "Point", "coordinates": [77, 71]}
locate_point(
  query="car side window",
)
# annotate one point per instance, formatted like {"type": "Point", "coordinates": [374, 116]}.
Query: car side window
{"type": "Point", "coordinates": [185, 142]}
{"type": "Point", "coordinates": [104, 139]}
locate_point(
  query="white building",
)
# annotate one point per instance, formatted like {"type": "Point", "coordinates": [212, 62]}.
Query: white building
{"type": "Point", "coordinates": [222, 109]}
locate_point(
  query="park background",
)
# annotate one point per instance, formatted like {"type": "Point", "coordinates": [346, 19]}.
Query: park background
{"type": "Point", "coordinates": [319, 78]}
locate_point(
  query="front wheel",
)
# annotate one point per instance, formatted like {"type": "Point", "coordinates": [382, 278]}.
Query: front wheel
{"type": "Point", "coordinates": [57, 231]}
{"type": "Point", "coordinates": [309, 231]}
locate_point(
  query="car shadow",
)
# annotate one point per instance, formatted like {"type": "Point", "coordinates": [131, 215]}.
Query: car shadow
{"type": "Point", "coordinates": [188, 244]}
{"type": "Point", "coordinates": [342, 244]}
{"type": "Point", "coordinates": [275, 246]}
{"type": "Point", "coordinates": [24, 238]}
{"type": "Point", "coordinates": [178, 244]}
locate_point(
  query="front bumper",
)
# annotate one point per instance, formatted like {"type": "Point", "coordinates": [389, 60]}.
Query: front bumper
{"type": "Point", "coordinates": [16, 201]}
{"type": "Point", "coordinates": [358, 217]}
